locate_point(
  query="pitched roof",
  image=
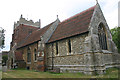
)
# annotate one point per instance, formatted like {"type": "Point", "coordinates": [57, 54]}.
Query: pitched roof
{"type": "Point", "coordinates": [73, 26]}
{"type": "Point", "coordinates": [34, 36]}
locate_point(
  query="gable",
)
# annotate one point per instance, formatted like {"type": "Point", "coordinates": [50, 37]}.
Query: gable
{"type": "Point", "coordinates": [34, 37]}
{"type": "Point", "coordinates": [75, 25]}
{"type": "Point", "coordinates": [93, 36]}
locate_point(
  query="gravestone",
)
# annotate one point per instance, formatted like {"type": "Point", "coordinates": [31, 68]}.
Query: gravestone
{"type": "Point", "coordinates": [4, 68]}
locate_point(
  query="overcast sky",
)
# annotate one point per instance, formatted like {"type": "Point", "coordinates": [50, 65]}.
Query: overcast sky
{"type": "Point", "coordinates": [46, 10]}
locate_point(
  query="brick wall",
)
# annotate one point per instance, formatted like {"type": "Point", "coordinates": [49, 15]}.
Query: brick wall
{"type": "Point", "coordinates": [33, 63]}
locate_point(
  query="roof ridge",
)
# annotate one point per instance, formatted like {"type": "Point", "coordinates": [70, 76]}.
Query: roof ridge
{"type": "Point", "coordinates": [77, 14]}
{"type": "Point", "coordinates": [74, 25]}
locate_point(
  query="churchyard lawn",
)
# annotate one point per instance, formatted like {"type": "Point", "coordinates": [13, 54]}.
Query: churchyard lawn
{"type": "Point", "coordinates": [18, 73]}
{"type": "Point", "coordinates": [0, 74]}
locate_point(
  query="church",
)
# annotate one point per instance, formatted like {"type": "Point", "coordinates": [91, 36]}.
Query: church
{"type": "Point", "coordinates": [81, 43]}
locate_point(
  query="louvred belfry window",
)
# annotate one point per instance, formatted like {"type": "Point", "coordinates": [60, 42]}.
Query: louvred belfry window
{"type": "Point", "coordinates": [102, 37]}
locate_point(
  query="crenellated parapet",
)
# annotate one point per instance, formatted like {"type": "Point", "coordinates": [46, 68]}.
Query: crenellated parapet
{"type": "Point", "coordinates": [27, 22]}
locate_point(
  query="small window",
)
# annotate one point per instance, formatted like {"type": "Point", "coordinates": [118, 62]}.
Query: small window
{"type": "Point", "coordinates": [35, 52]}
{"type": "Point", "coordinates": [56, 48]}
{"type": "Point", "coordinates": [28, 55]}
{"type": "Point", "coordinates": [69, 46]}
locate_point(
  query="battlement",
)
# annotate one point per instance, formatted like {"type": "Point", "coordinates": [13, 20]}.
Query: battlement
{"type": "Point", "coordinates": [27, 22]}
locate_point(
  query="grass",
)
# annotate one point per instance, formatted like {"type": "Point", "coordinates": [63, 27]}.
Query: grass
{"type": "Point", "coordinates": [0, 74]}
{"type": "Point", "coordinates": [22, 73]}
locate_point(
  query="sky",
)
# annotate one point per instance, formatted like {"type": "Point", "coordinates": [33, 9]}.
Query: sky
{"type": "Point", "coordinates": [47, 11]}
{"type": "Point", "coordinates": [119, 14]}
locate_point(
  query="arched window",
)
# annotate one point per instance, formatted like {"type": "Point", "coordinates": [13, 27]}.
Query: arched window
{"type": "Point", "coordinates": [102, 37]}
{"type": "Point", "coordinates": [28, 55]}
{"type": "Point", "coordinates": [35, 53]}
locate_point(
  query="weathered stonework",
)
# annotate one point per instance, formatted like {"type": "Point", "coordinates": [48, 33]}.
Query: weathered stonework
{"type": "Point", "coordinates": [64, 60]}
{"type": "Point", "coordinates": [26, 22]}
{"type": "Point", "coordinates": [86, 55]}
{"type": "Point", "coordinates": [73, 51]}
{"type": "Point", "coordinates": [93, 28]}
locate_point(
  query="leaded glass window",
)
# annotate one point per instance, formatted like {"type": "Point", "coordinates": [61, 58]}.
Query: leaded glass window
{"type": "Point", "coordinates": [102, 37]}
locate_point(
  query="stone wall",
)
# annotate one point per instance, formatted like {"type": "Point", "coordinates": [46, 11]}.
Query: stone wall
{"type": "Point", "coordinates": [98, 62]}
{"type": "Point", "coordinates": [66, 61]}
{"type": "Point", "coordinates": [79, 60]}
{"type": "Point", "coordinates": [96, 20]}
{"type": "Point", "coordinates": [116, 59]}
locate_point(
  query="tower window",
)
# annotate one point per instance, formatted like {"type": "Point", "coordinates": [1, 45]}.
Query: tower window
{"type": "Point", "coordinates": [102, 37]}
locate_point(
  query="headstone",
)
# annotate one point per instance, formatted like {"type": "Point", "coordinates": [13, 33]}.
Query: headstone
{"type": "Point", "coordinates": [4, 68]}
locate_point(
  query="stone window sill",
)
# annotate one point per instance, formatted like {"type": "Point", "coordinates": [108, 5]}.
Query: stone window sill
{"type": "Point", "coordinates": [28, 62]}
{"type": "Point", "coordinates": [35, 61]}
{"type": "Point", "coordinates": [106, 51]}
{"type": "Point", "coordinates": [57, 55]}
{"type": "Point", "coordinates": [70, 53]}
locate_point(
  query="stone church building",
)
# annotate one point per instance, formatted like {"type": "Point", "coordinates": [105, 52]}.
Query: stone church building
{"type": "Point", "coordinates": [81, 43]}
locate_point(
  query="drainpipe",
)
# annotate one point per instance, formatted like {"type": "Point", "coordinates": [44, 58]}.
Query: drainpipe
{"type": "Point", "coordinates": [52, 58]}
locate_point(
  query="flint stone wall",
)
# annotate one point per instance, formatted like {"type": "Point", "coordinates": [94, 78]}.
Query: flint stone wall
{"type": "Point", "coordinates": [66, 61]}
{"type": "Point", "coordinates": [98, 18]}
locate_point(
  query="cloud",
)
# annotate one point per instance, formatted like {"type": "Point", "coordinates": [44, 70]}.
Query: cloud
{"type": "Point", "coordinates": [110, 11]}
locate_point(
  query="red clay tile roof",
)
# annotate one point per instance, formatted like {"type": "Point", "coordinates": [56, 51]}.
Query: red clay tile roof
{"type": "Point", "coordinates": [18, 56]}
{"type": "Point", "coordinates": [34, 36]}
{"type": "Point", "coordinates": [73, 26]}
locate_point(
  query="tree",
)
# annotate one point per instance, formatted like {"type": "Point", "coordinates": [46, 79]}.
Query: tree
{"type": "Point", "coordinates": [116, 37]}
{"type": "Point", "coordinates": [2, 37]}
{"type": "Point", "coordinates": [4, 59]}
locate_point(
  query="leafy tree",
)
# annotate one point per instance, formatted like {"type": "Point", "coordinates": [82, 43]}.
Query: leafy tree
{"type": "Point", "coordinates": [116, 37]}
{"type": "Point", "coordinates": [2, 37]}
